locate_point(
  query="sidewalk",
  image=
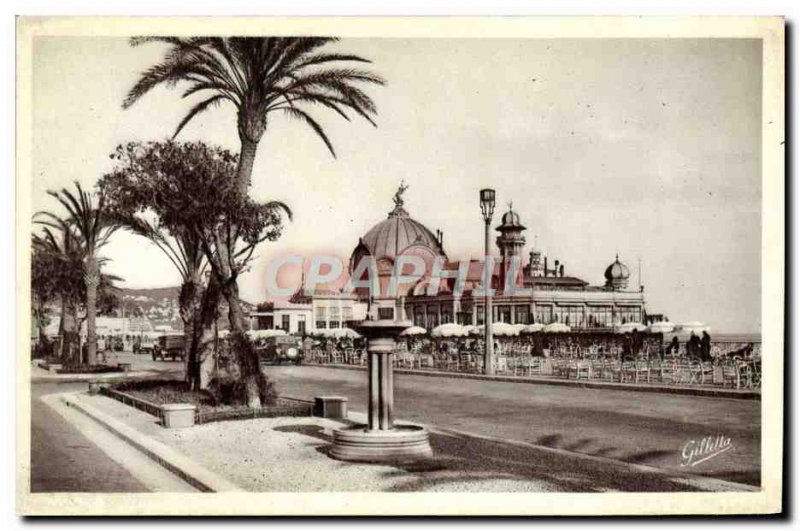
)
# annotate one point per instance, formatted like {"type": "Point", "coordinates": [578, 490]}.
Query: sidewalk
{"type": "Point", "coordinates": [39, 375]}
{"type": "Point", "coordinates": [696, 390]}
{"type": "Point", "coordinates": [290, 455]}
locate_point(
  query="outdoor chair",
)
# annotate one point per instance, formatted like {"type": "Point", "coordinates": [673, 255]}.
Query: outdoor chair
{"type": "Point", "coordinates": [425, 361]}
{"type": "Point", "coordinates": [668, 372]}
{"type": "Point", "coordinates": [627, 372]}
{"type": "Point", "coordinates": [560, 368]}
{"type": "Point", "coordinates": [746, 375]}
{"type": "Point", "coordinates": [731, 376]}
{"type": "Point", "coordinates": [501, 365]}
{"type": "Point", "coordinates": [513, 365]}
{"type": "Point", "coordinates": [642, 371]}
{"type": "Point", "coordinates": [681, 372]}
{"type": "Point", "coordinates": [534, 366]}
{"type": "Point", "coordinates": [581, 370]}
{"type": "Point", "coordinates": [452, 363]}
{"type": "Point", "coordinates": [706, 373]}
{"type": "Point", "coordinates": [607, 370]}
{"type": "Point", "coordinates": [337, 357]}
{"type": "Point", "coordinates": [474, 363]}
{"type": "Point", "coordinates": [755, 382]}
{"type": "Point", "coordinates": [687, 372]}
{"type": "Point", "coordinates": [320, 356]}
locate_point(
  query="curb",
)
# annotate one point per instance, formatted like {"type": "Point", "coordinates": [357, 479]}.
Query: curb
{"type": "Point", "coordinates": [689, 391]}
{"type": "Point", "coordinates": [109, 377]}
{"type": "Point", "coordinates": [177, 463]}
{"type": "Point", "coordinates": [714, 484]}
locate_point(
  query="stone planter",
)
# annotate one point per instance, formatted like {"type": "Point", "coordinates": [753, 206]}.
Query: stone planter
{"type": "Point", "coordinates": [330, 407]}
{"type": "Point", "coordinates": [94, 388]}
{"type": "Point", "coordinates": [178, 415]}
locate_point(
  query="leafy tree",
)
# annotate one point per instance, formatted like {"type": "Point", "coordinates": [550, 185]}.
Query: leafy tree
{"type": "Point", "coordinates": [189, 188]}
{"type": "Point", "coordinates": [260, 76]}
{"type": "Point", "coordinates": [91, 224]}
{"type": "Point", "coordinates": [129, 189]}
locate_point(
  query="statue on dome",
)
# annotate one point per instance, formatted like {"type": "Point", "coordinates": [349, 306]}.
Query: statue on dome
{"type": "Point", "coordinates": [398, 195]}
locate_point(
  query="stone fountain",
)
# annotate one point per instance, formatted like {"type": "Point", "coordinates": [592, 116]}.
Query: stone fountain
{"type": "Point", "coordinates": [381, 440]}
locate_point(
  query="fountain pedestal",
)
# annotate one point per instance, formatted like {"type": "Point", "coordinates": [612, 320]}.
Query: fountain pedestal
{"type": "Point", "coordinates": [381, 440]}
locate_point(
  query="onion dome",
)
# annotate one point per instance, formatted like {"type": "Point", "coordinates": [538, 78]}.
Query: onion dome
{"type": "Point", "coordinates": [510, 220]}
{"type": "Point", "coordinates": [617, 275]}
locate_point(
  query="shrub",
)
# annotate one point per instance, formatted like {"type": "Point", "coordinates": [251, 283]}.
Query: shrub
{"type": "Point", "coordinates": [84, 369]}
{"type": "Point", "coordinates": [228, 387]}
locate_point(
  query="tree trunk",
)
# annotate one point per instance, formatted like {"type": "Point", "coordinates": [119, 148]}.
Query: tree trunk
{"type": "Point", "coordinates": [62, 322]}
{"type": "Point", "coordinates": [40, 317]}
{"type": "Point", "coordinates": [190, 302]}
{"type": "Point", "coordinates": [247, 158]}
{"type": "Point", "coordinates": [92, 279]}
{"type": "Point", "coordinates": [246, 358]}
{"type": "Point", "coordinates": [206, 328]}
{"type": "Point", "coordinates": [199, 344]}
{"type": "Point", "coordinates": [206, 365]}
{"type": "Point", "coordinates": [69, 332]}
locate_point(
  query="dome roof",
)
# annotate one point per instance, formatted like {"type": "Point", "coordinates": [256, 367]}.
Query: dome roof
{"type": "Point", "coordinates": [617, 271]}
{"type": "Point", "coordinates": [392, 236]}
{"type": "Point", "coordinates": [510, 220]}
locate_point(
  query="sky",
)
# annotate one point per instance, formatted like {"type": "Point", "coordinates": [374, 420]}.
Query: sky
{"type": "Point", "coordinates": [646, 148]}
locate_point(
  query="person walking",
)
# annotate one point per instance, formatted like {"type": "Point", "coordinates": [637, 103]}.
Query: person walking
{"type": "Point", "coordinates": [705, 347]}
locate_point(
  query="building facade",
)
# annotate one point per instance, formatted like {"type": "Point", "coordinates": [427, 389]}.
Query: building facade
{"type": "Point", "coordinates": [550, 294]}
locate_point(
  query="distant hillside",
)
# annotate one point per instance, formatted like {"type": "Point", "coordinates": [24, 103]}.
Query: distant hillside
{"type": "Point", "coordinates": [159, 305]}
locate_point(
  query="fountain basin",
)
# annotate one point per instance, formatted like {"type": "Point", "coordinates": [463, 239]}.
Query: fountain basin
{"type": "Point", "coordinates": [402, 443]}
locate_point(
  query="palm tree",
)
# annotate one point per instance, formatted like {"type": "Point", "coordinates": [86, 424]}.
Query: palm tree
{"type": "Point", "coordinates": [57, 264]}
{"type": "Point", "coordinates": [93, 225]}
{"type": "Point", "coordinates": [260, 76]}
{"type": "Point", "coordinates": [186, 254]}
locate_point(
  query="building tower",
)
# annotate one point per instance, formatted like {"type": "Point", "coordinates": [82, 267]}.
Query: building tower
{"type": "Point", "coordinates": [511, 241]}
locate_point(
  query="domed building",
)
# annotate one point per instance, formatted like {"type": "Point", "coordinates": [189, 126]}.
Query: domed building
{"type": "Point", "coordinates": [398, 235]}
{"type": "Point", "coordinates": [539, 291]}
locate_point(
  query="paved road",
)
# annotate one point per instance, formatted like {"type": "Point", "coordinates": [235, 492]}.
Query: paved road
{"type": "Point", "coordinates": [63, 460]}
{"type": "Point", "coordinates": [646, 428]}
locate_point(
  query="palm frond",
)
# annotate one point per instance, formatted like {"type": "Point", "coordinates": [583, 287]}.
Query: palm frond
{"type": "Point", "coordinates": [197, 109]}
{"type": "Point", "coordinates": [303, 116]}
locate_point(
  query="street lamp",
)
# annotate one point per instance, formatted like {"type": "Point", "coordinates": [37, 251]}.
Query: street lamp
{"type": "Point", "coordinates": [487, 209]}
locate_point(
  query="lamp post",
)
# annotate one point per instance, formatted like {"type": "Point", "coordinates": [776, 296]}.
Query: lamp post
{"type": "Point", "coordinates": [487, 209]}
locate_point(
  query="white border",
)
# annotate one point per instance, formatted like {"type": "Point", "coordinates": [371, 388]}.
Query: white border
{"type": "Point", "coordinates": [426, 503]}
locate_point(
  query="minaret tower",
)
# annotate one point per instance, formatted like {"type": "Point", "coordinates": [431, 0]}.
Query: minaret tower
{"type": "Point", "coordinates": [511, 241]}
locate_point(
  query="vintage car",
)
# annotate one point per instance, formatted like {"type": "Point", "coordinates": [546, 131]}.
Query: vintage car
{"type": "Point", "coordinates": [281, 348]}
{"type": "Point", "coordinates": [169, 346]}
{"type": "Point", "coordinates": [143, 345]}
{"type": "Point", "coordinates": [117, 344]}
